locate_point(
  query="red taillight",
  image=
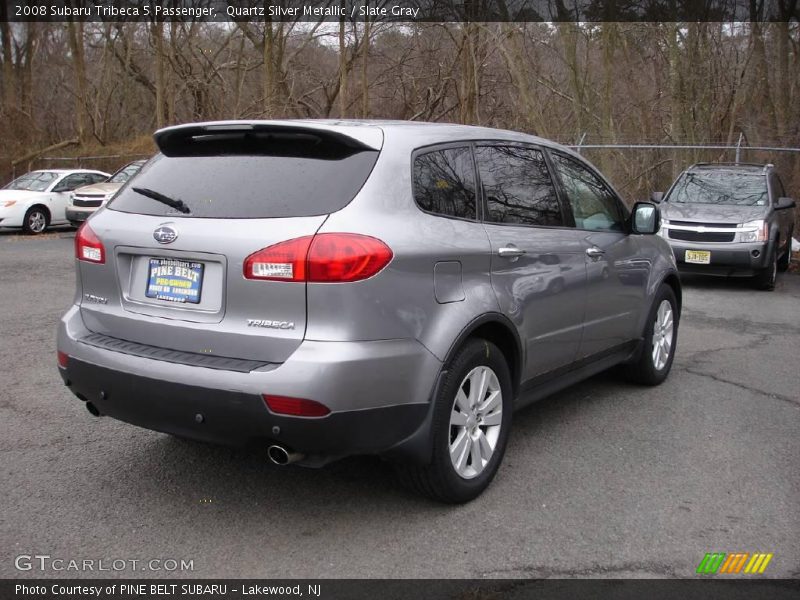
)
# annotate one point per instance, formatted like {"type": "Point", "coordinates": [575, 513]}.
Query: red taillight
{"type": "Point", "coordinates": [88, 246]}
{"type": "Point", "coordinates": [63, 357]}
{"type": "Point", "coordinates": [323, 258]}
{"type": "Point", "coordinates": [346, 257]}
{"type": "Point", "coordinates": [295, 406]}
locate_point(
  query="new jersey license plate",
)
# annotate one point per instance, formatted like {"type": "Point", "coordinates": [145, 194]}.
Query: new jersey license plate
{"type": "Point", "coordinates": [698, 257]}
{"type": "Point", "coordinates": [174, 280]}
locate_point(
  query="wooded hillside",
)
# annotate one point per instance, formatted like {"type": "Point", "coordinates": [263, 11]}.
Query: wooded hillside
{"type": "Point", "coordinates": [105, 86]}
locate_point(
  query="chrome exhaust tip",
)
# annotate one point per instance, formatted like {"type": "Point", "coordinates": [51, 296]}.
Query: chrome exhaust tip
{"type": "Point", "coordinates": [282, 456]}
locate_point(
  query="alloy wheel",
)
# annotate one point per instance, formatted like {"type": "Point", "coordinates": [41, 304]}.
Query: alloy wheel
{"type": "Point", "coordinates": [475, 422]}
{"type": "Point", "coordinates": [662, 335]}
{"type": "Point", "coordinates": [37, 221]}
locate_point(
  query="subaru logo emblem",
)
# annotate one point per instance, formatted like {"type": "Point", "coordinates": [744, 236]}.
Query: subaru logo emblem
{"type": "Point", "coordinates": [165, 234]}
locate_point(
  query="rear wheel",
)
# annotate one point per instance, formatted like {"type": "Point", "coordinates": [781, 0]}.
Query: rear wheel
{"type": "Point", "coordinates": [36, 220]}
{"type": "Point", "coordinates": [765, 279]}
{"type": "Point", "coordinates": [660, 338]}
{"type": "Point", "coordinates": [471, 423]}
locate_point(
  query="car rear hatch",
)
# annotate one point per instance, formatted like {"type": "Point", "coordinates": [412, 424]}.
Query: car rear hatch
{"type": "Point", "coordinates": [175, 240]}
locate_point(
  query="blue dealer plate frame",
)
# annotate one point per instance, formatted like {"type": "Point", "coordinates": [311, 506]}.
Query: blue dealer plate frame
{"type": "Point", "coordinates": [173, 280]}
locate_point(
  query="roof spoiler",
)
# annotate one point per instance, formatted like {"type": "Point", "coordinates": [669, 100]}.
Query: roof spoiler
{"type": "Point", "coordinates": [191, 139]}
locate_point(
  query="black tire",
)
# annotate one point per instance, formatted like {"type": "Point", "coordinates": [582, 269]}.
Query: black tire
{"type": "Point", "coordinates": [766, 278]}
{"type": "Point", "coordinates": [36, 220]}
{"type": "Point", "coordinates": [783, 261]}
{"type": "Point", "coordinates": [439, 480]}
{"type": "Point", "coordinates": [644, 369]}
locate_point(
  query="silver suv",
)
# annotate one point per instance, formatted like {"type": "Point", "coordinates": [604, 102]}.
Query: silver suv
{"type": "Point", "coordinates": [731, 220]}
{"type": "Point", "coordinates": [329, 288]}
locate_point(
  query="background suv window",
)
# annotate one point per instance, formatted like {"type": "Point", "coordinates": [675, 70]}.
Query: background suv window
{"type": "Point", "coordinates": [517, 186]}
{"type": "Point", "coordinates": [720, 186]}
{"type": "Point", "coordinates": [444, 182]}
{"type": "Point", "coordinates": [593, 204]}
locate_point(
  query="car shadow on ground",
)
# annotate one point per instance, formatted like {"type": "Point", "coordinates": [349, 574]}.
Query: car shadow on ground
{"type": "Point", "coordinates": [209, 476]}
{"type": "Point", "coordinates": [51, 232]}
{"type": "Point", "coordinates": [725, 284]}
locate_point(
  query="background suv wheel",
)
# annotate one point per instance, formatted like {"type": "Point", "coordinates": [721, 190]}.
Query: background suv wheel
{"type": "Point", "coordinates": [783, 261]}
{"type": "Point", "coordinates": [765, 280]}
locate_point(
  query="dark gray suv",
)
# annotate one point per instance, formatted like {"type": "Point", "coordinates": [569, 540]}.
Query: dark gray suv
{"type": "Point", "coordinates": [328, 288]}
{"type": "Point", "coordinates": [731, 220]}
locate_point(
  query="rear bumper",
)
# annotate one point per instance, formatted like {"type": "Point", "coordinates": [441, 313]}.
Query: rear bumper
{"type": "Point", "coordinates": [732, 260]}
{"type": "Point", "coordinates": [378, 392]}
{"type": "Point", "coordinates": [236, 418]}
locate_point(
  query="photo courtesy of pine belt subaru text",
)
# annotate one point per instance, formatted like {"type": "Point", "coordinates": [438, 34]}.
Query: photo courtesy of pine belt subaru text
{"type": "Point", "coordinates": [320, 289]}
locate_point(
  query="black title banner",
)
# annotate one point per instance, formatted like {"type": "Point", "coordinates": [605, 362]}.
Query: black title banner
{"type": "Point", "coordinates": [399, 10]}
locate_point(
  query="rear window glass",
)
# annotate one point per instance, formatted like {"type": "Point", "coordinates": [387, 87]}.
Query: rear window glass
{"type": "Point", "coordinates": [247, 186]}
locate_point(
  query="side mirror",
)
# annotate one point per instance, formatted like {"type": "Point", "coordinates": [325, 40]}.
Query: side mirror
{"type": "Point", "coordinates": [645, 218]}
{"type": "Point", "coordinates": [784, 203]}
{"type": "Point", "coordinates": [656, 197]}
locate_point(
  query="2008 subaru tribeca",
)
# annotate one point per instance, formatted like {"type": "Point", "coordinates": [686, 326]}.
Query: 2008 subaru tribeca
{"type": "Point", "coordinates": [328, 288]}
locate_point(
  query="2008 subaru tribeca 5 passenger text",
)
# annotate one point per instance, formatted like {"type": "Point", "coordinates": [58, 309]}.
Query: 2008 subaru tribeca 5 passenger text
{"type": "Point", "coordinates": [328, 288]}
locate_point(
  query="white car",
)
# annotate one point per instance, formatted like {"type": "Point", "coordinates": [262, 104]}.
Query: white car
{"type": "Point", "coordinates": [39, 199]}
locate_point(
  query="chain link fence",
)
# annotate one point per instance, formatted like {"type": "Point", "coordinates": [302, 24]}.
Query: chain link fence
{"type": "Point", "coordinates": [637, 169]}
{"type": "Point", "coordinates": [108, 163]}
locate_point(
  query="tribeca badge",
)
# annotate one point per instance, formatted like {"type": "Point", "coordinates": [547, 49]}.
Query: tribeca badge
{"type": "Point", "coordinates": [719, 562]}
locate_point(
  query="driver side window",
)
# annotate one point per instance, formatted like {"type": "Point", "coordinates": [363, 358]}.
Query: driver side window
{"type": "Point", "coordinates": [71, 182]}
{"type": "Point", "coordinates": [594, 206]}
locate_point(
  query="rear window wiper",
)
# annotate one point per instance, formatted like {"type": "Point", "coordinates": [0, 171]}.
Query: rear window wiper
{"type": "Point", "coordinates": [171, 202]}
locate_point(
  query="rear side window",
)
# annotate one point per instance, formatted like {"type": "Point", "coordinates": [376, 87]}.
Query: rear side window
{"type": "Point", "coordinates": [231, 180]}
{"type": "Point", "coordinates": [77, 180]}
{"type": "Point", "coordinates": [517, 186]}
{"type": "Point", "coordinates": [444, 182]}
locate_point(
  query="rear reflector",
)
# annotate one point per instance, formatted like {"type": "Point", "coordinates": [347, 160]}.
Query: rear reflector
{"type": "Point", "coordinates": [323, 258]}
{"type": "Point", "coordinates": [88, 246]}
{"type": "Point", "coordinates": [63, 357]}
{"type": "Point", "coordinates": [295, 406]}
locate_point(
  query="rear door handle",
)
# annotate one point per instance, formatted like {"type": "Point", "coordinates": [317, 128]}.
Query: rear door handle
{"type": "Point", "coordinates": [510, 251]}
{"type": "Point", "coordinates": [594, 252]}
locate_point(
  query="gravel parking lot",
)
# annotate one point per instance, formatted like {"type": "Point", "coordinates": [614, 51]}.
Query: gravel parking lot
{"type": "Point", "coordinates": [603, 480]}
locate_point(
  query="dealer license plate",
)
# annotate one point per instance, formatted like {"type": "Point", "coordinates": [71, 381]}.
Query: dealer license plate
{"type": "Point", "coordinates": [700, 257]}
{"type": "Point", "coordinates": [174, 280]}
